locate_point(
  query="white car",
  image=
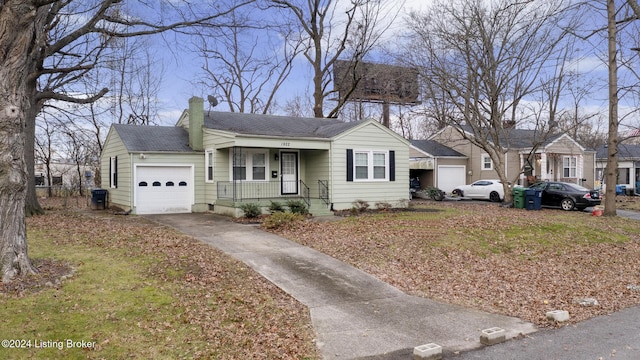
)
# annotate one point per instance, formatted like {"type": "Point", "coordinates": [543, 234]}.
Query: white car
{"type": "Point", "coordinates": [481, 189]}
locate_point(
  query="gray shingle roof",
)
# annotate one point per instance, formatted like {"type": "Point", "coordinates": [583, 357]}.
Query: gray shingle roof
{"type": "Point", "coordinates": [435, 148]}
{"type": "Point", "coordinates": [153, 138]}
{"type": "Point", "coordinates": [625, 151]}
{"type": "Point", "coordinates": [272, 125]}
{"type": "Point", "coordinates": [522, 138]}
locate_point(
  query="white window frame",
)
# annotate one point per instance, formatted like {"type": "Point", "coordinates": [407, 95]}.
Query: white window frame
{"type": "Point", "coordinates": [248, 156]}
{"type": "Point", "coordinates": [209, 163]}
{"type": "Point", "coordinates": [370, 165]}
{"type": "Point", "coordinates": [483, 162]}
{"type": "Point", "coordinates": [567, 164]}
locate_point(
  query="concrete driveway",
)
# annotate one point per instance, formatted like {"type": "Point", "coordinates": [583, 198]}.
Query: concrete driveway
{"type": "Point", "coordinates": [355, 315]}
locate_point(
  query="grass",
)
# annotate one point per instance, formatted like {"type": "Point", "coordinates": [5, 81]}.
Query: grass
{"type": "Point", "coordinates": [510, 261]}
{"type": "Point", "coordinates": [142, 291]}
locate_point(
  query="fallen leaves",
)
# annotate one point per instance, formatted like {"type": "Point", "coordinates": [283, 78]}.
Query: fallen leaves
{"type": "Point", "coordinates": [510, 261]}
{"type": "Point", "coordinates": [222, 303]}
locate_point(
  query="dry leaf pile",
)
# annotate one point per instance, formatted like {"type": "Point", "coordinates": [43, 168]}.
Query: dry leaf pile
{"type": "Point", "coordinates": [509, 261]}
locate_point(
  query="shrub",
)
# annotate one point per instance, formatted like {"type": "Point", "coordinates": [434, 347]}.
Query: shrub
{"type": "Point", "coordinates": [280, 219]}
{"type": "Point", "coordinates": [251, 210]}
{"type": "Point", "coordinates": [298, 207]}
{"type": "Point", "coordinates": [275, 207]}
{"type": "Point", "coordinates": [383, 205]}
{"type": "Point", "coordinates": [361, 205]}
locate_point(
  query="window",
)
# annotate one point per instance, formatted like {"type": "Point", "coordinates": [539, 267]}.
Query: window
{"type": "Point", "coordinates": [259, 166]}
{"type": "Point", "coordinates": [113, 172]}
{"type": "Point", "coordinates": [157, 183]}
{"type": "Point", "coordinates": [486, 162]}
{"type": "Point", "coordinates": [569, 166]}
{"type": "Point", "coordinates": [209, 165]}
{"type": "Point", "coordinates": [362, 166]}
{"type": "Point", "coordinates": [250, 165]}
{"type": "Point", "coordinates": [169, 183]}
{"type": "Point", "coordinates": [142, 183]}
{"type": "Point", "coordinates": [371, 165]}
{"type": "Point", "coordinates": [182, 183]}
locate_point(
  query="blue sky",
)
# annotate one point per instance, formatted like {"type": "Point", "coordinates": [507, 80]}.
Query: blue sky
{"type": "Point", "coordinates": [181, 71]}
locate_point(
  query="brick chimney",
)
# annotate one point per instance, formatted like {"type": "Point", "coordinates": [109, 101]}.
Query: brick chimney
{"type": "Point", "coordinates": [196, 123]}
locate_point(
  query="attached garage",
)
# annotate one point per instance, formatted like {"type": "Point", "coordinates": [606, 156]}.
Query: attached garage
{"type": "Point", "coordinates": [450, 176]}
{"type": "Point", "coordinates": [163, 189]}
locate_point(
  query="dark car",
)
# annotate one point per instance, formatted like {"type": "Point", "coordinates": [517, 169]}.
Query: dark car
{"type": "Point", "coordinates": [568, 196]}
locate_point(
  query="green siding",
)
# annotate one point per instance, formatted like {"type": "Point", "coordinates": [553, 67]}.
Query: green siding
{"type": "Point", "coordinates": [123, 195]}
{"type": "Point", "coordinates": [369, 137]}
{"type": "Point", "coordinates": [120, 196]}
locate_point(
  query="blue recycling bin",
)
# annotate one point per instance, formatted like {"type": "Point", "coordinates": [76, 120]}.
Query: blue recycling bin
{"type": "Point", "coordinates": [533, 199]}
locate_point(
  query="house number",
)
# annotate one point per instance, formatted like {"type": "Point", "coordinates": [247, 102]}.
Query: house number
{"type": "Point", "coordinates": [285, 144]}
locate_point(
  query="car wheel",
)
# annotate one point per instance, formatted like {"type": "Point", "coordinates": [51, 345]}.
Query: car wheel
{"type": "Point", "coordinates": [567, 204]}
{"type": "Point", "coordinates": [494, 196]}
{"type": "Point", "coordinates": [458, 192]}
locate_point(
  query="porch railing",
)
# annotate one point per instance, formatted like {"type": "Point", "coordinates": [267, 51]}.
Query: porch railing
{"type": "Point", "coordinates": [323, 189]}
{"type": "Point", "coordinates": [263, 190]}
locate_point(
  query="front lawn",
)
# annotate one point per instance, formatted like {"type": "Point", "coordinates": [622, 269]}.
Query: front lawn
{"type": "Point", "coordinates": [509, 261]}
{"type": "Point", "coordinates": [143, 291]}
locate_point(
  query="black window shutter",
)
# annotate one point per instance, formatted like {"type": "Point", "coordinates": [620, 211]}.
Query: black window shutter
{"type": "Point", "coordinates": [115, 172]}
{"type": "Point", "coordinates": [392, 165]}
{"type": "Point", "coordinates": [110, 172]}
{"type": "Point", "coordinates": [349, 164]}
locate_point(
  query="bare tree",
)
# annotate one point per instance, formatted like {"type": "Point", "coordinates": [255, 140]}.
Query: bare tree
{"type": "Point", "coordinates": [34, 41]}
{"type": "Point", "coordinates": [248, 62]}
{"type": "Point", "coordinates": [485, 59]}
{"type": "Point", "coordinates": [334, 30]}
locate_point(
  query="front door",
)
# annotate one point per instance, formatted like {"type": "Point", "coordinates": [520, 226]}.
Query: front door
{"type": "Point", "coordinates": [289, 173]}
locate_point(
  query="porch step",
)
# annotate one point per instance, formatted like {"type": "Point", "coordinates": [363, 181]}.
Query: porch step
{"type": "Point", "coordinates": [319, 208]}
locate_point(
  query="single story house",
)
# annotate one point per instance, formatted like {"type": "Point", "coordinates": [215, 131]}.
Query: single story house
{"type": "Point", "coordinates": [628, 167]}
{"type": "Point", "coordinates": [437, 165]}
{"type": "Point", "coordinates": [217, 161]}
{"type": "Point", "coordinates": [527, 158]}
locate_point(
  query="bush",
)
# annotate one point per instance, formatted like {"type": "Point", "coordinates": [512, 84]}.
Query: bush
{"type": "Point", "coordinates": [298, 207]}
{"type": "Point", "coordinates": [251, 210]}
{"type": "Point", "coordinates": [383, 206]}
{"type": "Point", "coordinates": [275, 207]}
{"type": "Point", "coordinates": [280, 219]}
{"type": "Point", "coordinates": [361, 205]}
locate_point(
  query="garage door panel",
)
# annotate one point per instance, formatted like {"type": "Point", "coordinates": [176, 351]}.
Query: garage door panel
{"type": "Point", "coordinates": [164, 189]}
{"type": "Point", "coordinates": [451, 176]}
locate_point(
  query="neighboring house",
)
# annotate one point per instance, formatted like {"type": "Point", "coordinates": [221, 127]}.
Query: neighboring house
{"type": "Point", "coordinates": [557, 158]}
{"type": "Point", "coordinates": [437, 165]}
{"type": "Point", "coordinates": [216, 161]}
{"type": "Point", "coordinates": [64, 174]}
{"type": "Point", "coordinates": [628, 167]}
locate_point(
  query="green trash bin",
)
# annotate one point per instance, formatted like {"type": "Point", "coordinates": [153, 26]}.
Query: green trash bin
{"type": "Point", "coordinates": [518, 197]}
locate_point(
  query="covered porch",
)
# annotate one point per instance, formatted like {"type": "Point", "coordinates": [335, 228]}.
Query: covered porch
{"type": "Point", "coordinates": [263, 175]}
{"type": "Point", "coordinates": [552, 166]}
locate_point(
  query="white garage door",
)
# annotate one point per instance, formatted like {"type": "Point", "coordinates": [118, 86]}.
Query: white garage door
{"type": "Point", "coordinates": [450, 176]}
{"type": "Point", "coordinates": [163, 189]}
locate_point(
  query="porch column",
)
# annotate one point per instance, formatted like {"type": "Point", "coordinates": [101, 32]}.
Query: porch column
{"type": "Point", "coordinates": [522, 176]}
{"type": "Point", "coordinates": [580, 169]}
{"type": "Point", "coordinates": [543, 166]}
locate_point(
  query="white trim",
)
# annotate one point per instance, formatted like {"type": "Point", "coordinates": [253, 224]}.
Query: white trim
{"type": "Point", "coordinates": [209, 154]}
{"type": "Point", "coordinates": [249, 152]}
{"type": "Point", "coordinates": [191, 184]}
{"type": "Point", "coordinates": [370, 165]}
{"type": "Point", "coordinates": [484, 156]}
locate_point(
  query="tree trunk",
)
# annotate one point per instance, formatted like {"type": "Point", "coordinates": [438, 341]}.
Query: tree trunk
{"type": "Point", "coordinates": [17, 34]}
{"type": "Point", "coordinates": [612, 142]}
{"type": "Point", "coordinates": [32, 206]}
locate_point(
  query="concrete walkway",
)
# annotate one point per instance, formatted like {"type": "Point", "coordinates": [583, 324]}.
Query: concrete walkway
{"type": "Point", "coordinates": [355, 315]}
